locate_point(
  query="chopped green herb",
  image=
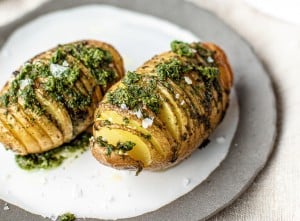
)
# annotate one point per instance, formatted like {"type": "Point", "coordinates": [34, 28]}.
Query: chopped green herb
{"type": "Point", "coordinates": [123, 147]}
{"type": "Point", "coordinates": [106, 122]}
{"type": "Point", "coordinates": [173, 69]}
{"type": "Point", "coordinates": [55, 157]}
{"type": "Point", "coordinates": [182, 48]}
{"type": "Point", "coordinates": [134, 96]}
{"type": "Point", "coordinates": [203, 52]}
{"type": "Point", "coordinates": [131, 78]}
{"type": "Point", "coordinates": [126, 120]}
{"type": "Point", "coordinates": [67, 217]}
{"type": "Point", "coordinates": [126, 146]}
{"type": "Point", "coordinates": [146, 136]}
{"type": "Point", "coordinates": [208, 72]}
{"type": "Point", "coordinates": [97, 60]}
{"type": "Point", "coordinates": [138, 91]}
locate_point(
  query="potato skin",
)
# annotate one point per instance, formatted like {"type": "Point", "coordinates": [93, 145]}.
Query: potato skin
{"type": "Point", "coordinates": [25, 131]}
{"type": "Point", "coordinates": [195, 119]}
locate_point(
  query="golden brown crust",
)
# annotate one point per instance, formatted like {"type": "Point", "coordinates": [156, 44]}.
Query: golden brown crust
{"type": "Point", "coordinates": [32, 133]}
{"type": "Point", "coordinates": [194, 119]}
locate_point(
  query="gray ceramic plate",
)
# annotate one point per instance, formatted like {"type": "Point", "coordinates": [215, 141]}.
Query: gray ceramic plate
{"type": "Point", "coordinates": [254, 139]}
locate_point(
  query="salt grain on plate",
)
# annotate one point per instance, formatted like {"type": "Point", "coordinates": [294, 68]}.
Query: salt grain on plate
{"type": "Point", "coordinates": [147, 122]}
{"type": "Point", "coordinates": [111, 199]}
{"type": "Point", "coordinates": [53, 217]}
{"type": "Point", "coordinates": [7, 176]}
{"type": "Point", "coordinates": [77, 192]}
{"type": "Point", "coordinates": [186, 182]}
{"type": "Point", "coordinates": [5, 207]}
{"type": "Point", "coordinates": [177, 96]}
{"type": "Point", "coordinates": [182, 102]}
{"type": "Point", "coordinates": [44, 180]}
{"type": "Point", "coordinates": [220, 140]}
{"type": "Point", "coordinates": [188, 80]}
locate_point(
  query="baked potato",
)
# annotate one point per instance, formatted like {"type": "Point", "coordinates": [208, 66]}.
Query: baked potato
{"type": "Point", "coordinates": [159, 114]}
{"type": "Point", "coordinates": [52, 97]}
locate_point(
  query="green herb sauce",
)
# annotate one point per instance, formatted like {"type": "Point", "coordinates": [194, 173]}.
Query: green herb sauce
{"type": "Point", "coordinates": [55, 157]}
{"type": "Point", "coordinates": [57, 78]}
{"type": "Point", "coordinates": [182, 48]}
{"type": "Point", "coordinates": [146, 136]}
{"type": "Point", "coordinates": [96, 60]}
{"type": "Point", "coordinates": [120, 148]}
{"type": "Point", "coordinates": [173, 69]}
{"type": "Point", "coordinates": [67, 217]}
{"type": "Point", "coordinates": [136, 93]}
{"type": "Point", "coordinates": [126, 120]}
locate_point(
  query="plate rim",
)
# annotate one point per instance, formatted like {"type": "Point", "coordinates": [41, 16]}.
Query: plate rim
{"type": "Point", "coordinates": [137, 6]}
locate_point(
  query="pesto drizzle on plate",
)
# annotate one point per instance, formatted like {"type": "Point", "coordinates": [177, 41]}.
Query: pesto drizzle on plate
{"type": "Point", "coordinates": [66, 217]}
{"type": "Point", "coordinates": [55, 157]}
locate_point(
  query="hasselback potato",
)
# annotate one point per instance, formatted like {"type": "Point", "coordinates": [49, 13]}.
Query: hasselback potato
{"type": "Point", "coordinates": [52, 97]}
{"type": "Point", "coordinates": [159, 114]}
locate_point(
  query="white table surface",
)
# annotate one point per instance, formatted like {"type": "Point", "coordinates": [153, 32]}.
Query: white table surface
{"type": "Point", "coordinates": [275, 194]}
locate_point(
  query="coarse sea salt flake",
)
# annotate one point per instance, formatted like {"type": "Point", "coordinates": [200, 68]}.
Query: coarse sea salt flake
{"type": "Point", "coordinates": [147, 122]}
{"type": "Point", "coordinates": [53, 217]}
{"type": "Point", "coordinates": [124, 107]}
{"type": "Point", "coordinates": [210, 60]}
{"type": "Point", "coordinates": [177, 96]}
{"type": "Point", "coordinates": [138, 114]}
{"type": "Point", "coordinates": [188, 80]}
{"type": "Point", "coordinates": [24, 83]}
{"type": "Point", "coordinates": [220, 140]}
{"type": "Point", "coordinates": [186, 182]}
{"type": "Point", "coordinates": [57, 70]}
{"type": "Point", "coordinates": [5, 207]}
{"type": "Point", "coordinates": [65, 64]}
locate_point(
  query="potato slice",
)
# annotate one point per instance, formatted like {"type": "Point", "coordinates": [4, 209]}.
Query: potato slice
{"type": "Point", "coordinates": [168, 117]}
{"type": "Point", "coordinates": [58, 113]}
{"type": "Point", "coordinates": [58, 122]}
{"type": "Point", "coordinates": [158, 135]}
{"type": "Point", "coordinates": [31, 145]}
{"type": "Point", "coordinates": [140, 151]}
{"type": "Point", "coordinates": [183, 122]}
{"type": "Point", "coordinates": [11, 140]}
{"type": "Point", "coordinates": [183, 108]}
{"type": "Point", "coordinates": [48, 127]}
{"type": "Point", "coordinates": [32, 128]}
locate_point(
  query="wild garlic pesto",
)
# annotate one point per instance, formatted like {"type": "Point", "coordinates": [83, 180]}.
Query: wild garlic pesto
{"type": "Point", "coordinates": [140, 90]}
{"type": "Point", "coordinates": [136, 93]}
{"type": "Point", "coordinates": [55, 157]}
{"type": "Point", "coordinates": [66, 217]}
{"type": "Point", "coordinates": [182, 48]}
{"type": "Point", "coordinates": [96, 60]}
{"type": "Point", "coordinates": [57, 77]}
{"type": "Point", "coordinates": [120, 148]}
